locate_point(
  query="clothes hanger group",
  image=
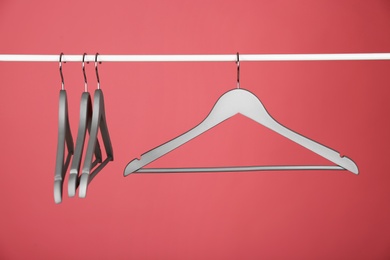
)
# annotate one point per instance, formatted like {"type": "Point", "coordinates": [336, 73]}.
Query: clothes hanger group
{"type": "Point", "coordinates": [233, 102]}
{"type": "Point", "coordinates": [91, 120]}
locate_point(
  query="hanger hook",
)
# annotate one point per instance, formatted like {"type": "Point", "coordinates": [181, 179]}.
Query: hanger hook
{"type": "Point", "coordinates": [85, 75]}
{"type": "Point", "coordinates": [62, 76]}
{"type": "Point", "coordinates": [96, 69]}
{"type": "Point", "coordinates": [238, 70]}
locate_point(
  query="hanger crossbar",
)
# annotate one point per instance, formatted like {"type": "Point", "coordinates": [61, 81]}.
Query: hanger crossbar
{"type": "Point", "coordinates": [196, 57]}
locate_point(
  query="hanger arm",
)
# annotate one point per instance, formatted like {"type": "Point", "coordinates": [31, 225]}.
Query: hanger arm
{"type": "Point", "coordinates": [222, 110]}
{"type": "Point", "coordinates": [250, 106]}
{"type": "Point", "coordinates": [167, 147]}
{"type": "Point", "coordinates": [314, 146]}
{"type": "Point", "coordinates": [243, 102]}
{"type": "Point", "coordinates": [98, 121]}
{"type": "Point", "coordinates": [84, 126]}
{"type": "Point", "coordinates": [64, 138]}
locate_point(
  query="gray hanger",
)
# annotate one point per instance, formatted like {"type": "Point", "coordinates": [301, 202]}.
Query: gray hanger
{"type": "Point", "coordinates": [84, 126]}
{"type": "Point", "coordinates": [240, 101]}
{"type": "Point", "coordinates": [64, 138]}
{"type": "Point", "coordinates": [98, 122]}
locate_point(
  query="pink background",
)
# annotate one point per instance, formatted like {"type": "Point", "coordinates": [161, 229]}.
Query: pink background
{"type": "Point", "coordinates": [245, 215]}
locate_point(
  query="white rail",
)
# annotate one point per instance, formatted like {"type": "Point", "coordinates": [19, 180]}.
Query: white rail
{"type": "Point", "coordinates": [195, 57]}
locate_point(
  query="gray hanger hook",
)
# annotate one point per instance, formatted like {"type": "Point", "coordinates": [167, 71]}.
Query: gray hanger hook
{"type": "Point", "coordinates": [85, 75]}
{"type": "Point", "coordinates": [62, 76]}
{"type": "Point", "coordinates": [238, 70]}
{"type": "Point", "coordinates": [97, 71]}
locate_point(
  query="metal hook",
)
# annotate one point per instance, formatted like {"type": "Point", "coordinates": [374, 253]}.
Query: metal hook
{"type": "Point", "coordinates": [238, 70]}
{"type": "Point", "coordinates": [97, 71]}
{"type": "Point", "coordinates": [85, 75]}
{"type": "Point", "coordinates": [62, 77]}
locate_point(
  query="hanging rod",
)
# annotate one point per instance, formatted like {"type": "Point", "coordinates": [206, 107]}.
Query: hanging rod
{"type": "Point", "coordinates": [195, 57]}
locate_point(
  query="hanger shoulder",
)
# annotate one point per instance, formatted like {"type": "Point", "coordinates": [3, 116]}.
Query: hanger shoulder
{"type": "Point", "coordinates": [104, 129]}
{"type": "Point", "coordinates": [96, 117]}
{"type": "Point", "coordinates": [224, 108]}
{"type": "Point", "coordinates": [315, 147]}
{"type": "Point", "coordinates": [251, 107]}
{"type": "Point", "coordinates": [98, 122]}
{"type": "Point", "coordinates": [84, 126]}
{"type": "Point", "coordinates": [64, 138]}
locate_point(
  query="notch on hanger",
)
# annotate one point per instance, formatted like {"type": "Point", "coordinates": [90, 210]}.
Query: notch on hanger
{"type": "Point", "coordinates": [98, 122]}
{"type": "Point", "coordinates": [84, 126]}
{"type": "Point", "coordinates": [64, 139]}
{"type": "Point", "coordinates": [240, 101]}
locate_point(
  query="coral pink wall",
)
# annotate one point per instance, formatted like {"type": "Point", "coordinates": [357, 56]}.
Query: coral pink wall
{"type": "Point", "coordinates": [248, 215]}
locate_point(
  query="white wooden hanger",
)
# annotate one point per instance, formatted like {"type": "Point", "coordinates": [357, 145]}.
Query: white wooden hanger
{"type": "Point", "coordinates": [240, 101]}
